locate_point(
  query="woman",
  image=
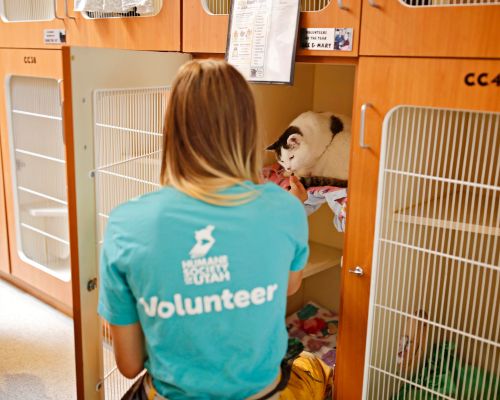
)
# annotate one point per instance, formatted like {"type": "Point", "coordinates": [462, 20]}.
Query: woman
{"type": "Point", "coordinates": [194, 277]}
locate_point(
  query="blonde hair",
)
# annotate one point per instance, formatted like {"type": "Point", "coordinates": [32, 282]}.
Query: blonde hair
{"type": "Point", "coordinates": [210, 139]}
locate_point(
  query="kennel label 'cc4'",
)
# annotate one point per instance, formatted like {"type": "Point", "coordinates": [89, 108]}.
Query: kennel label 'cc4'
{"type": "Point", "coordinates": [481, 79]}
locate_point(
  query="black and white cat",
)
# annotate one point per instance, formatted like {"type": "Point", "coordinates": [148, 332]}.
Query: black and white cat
{"type": "Point", "coordinates": [316, 148]}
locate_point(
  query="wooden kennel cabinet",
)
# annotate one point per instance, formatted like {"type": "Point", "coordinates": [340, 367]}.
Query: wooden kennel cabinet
{"type": "Point", "coordinates": [23, 26]}
{"type": "Point", "coordinates": [205, 30]}
{"type": "Point", "coordinates": [160, 31]}
{"type": "Point", "coordinates": [34, 172]}
{"type": "Point", "coordinates": [46, 125]}
{"type": "Point", "coordinates": [443, 83]}
{"type": "Point", "coordinates": [463, 29]}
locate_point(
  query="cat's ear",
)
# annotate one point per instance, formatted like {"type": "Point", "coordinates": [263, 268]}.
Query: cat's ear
{"type": "Point", "coordinates": [336, 124]}
{"type": "Point", "coordinates": [294, 140]}
{"type": "Point", "coordinates": [272, 147]}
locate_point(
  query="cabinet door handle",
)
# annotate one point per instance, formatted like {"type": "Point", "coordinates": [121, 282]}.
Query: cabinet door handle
{"type": "Point", "coordinates": [373, 4]}
{"type": "Point", "coordinates": [60, 88]}
{"type": "Point", "coordinates": [341, 5]}
{"type": "Point", "coordinates": [362, 143]}
{"type": "Point", "coordinates": [357, 271]}
{"type": "Point", "coordinates": [55, 12]}
{"type": "Point", "coordinates": [66, 10]}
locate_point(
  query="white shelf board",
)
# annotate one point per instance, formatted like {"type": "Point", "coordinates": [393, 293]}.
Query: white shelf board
{"type": "Point", "coordinates": [461, 217]}
{"type": "Point", "coordinates": [321, 258]}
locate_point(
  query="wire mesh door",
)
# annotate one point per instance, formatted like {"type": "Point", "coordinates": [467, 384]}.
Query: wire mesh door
{"type": "Point", "coordinates": [434, 322]}
{"type": "Point", "coordinates": [121, 9]}
{"type": "Point", "coordinates": [39, 174]}
{"type": "Point", "coordinates": [128, 127]}
{"type": "Point", "coordinates": [448, 3]}
{"type": "Point", "coordinates": [27, 10]}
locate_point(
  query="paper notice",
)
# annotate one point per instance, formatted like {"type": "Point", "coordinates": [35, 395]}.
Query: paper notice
{"type": "Point", "coordinates": [261, 41]}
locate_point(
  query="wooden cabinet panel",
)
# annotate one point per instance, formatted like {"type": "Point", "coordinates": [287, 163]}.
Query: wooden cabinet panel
{"type": "Point", "coordinates": [460, 30]}
{"type": "Point", "coordinates": [161, 31]}
{"type": "Point", "coordinates": [34, 209]}
{"type": "Point", "coordinates": [204, 32]}
{"type": "Point", "coordinates": [386, 83]}
{"type": "Point", "coordinates": [25, 29]}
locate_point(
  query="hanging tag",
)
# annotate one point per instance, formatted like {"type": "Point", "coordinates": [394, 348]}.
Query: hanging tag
{"type": "Point", "coordinates": [54, 36]}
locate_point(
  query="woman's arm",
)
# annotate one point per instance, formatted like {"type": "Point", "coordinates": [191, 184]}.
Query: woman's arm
{"type": "Point", "coordinates": [294, 282]}
{"type": "Point", "coordinates": [295, 277]}
{"type": "Point", "coordinates": [128, 343]}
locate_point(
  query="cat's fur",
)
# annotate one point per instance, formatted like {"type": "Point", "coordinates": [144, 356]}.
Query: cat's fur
{"type": "Point", "coordinates": [316, 147]}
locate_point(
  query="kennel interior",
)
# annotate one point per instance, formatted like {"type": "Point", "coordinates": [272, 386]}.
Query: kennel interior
{"type": "Point", "coordinates": [127, 147]}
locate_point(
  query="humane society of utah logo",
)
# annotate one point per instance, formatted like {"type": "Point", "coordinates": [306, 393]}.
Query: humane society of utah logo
{"type": "Point", "coordinates": [200, 270]}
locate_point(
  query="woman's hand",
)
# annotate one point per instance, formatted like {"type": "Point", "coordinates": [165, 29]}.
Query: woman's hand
{"type": "Point", "coordinates": [297, 189]}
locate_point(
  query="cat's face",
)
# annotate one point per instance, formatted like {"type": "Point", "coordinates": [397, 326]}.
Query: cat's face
{"type": "Point", "coordinates": [295, 155]}
{"type": "Point", "coordinates": [291, 149]}
{"type": "Point", "coordinates": [299, 146]}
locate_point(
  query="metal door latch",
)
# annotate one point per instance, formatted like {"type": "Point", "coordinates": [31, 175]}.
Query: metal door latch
{"type": "Point", "coordinates": [357, 271]}
{"type": "Point", "coordinates": [92, 284]}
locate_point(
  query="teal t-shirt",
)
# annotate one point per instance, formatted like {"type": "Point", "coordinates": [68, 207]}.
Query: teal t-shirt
{"type": "Point", "coordinates": [208, 285]}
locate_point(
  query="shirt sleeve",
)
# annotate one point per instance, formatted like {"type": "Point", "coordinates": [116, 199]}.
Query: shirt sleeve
{"type": "Point", "coordinates": [301, 238]}
{"type": "Point", "coordinates": [117, 304]}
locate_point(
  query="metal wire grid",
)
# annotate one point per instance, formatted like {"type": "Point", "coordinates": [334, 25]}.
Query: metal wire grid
{"type": "Point", "coordinates": [27, 10]}
{"type": "Point", "coordinates": [313, 5]}
{"type": "Point", "coordinates": [39, 167]}
{"type": "Point", "coordinates": [157, 5]}
{"type": "Point", "coordinates": [448, 3]}
{"type": "Point", "coordinates": [128, 127]}
{"type": "Point", "coordinates": [222, 7]}
{"type": "Point", "coordinates": [436, 273]}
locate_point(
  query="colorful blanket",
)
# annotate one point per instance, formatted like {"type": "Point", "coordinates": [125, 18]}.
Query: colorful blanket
{"type": "Point", "coordinates": [335, 197]}
{"type": "Point", "coordinates": [316, 328]}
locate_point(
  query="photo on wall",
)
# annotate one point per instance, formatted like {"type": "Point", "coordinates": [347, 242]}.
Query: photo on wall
{"type": "Point", "coordinates": [343, 39]}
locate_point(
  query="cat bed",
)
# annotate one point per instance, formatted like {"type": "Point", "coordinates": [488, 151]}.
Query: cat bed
{"type": "Point", "coordinates": [316, 328]}
{"type": "Point", "coordinates": [445, 375]}
{"type": "Point", "coordinates": [335, 197]}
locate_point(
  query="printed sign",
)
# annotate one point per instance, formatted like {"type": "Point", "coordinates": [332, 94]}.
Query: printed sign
{"type": "Point", "coordinates": [54, 36]}
{"type": "Point", "coordinates": [326, 39]}
{"type": "Point", "coordinates": [261, 39]}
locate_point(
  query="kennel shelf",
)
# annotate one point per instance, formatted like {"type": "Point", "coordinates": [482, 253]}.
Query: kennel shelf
{"type": "Point", "coordinates": [48, 212]}
{"type": "Point", "coordinates": [321, 258]}
{"type": "Point", "coordinates": [460, 215]}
